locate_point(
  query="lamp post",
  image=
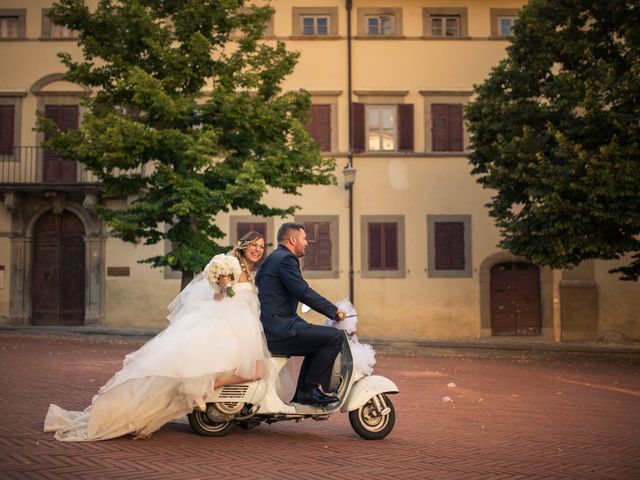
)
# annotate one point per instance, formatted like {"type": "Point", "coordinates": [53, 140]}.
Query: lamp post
{"type": "Point", "coordinates": [349, 179]}
{"type": "Point", "coordinates": [350, 172]}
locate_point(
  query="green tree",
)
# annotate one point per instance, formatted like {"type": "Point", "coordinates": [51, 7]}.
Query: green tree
{"type": "Point", "coordinates": [188, 116]}
{"type": "Point", "coordinates": [556, 133]}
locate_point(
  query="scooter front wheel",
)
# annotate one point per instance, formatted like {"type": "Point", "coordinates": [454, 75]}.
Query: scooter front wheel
{"type": "Point", "coordinates": [203, 425]}
{"type": "Point", "coordinates": [375, 419]}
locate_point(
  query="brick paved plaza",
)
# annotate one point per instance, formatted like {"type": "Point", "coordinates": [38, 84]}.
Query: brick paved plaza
{"type": "Point", "coordinates": [513, 415]}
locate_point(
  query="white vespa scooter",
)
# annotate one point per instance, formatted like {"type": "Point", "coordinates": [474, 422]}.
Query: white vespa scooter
{"type": "Point", "coordinates": [371, 412]}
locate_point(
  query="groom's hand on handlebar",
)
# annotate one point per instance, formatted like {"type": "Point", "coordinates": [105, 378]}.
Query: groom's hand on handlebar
{"type": "Point", "coordinates": [340, 315]}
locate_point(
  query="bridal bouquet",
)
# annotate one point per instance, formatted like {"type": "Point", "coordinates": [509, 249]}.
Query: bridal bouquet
{"type": "Point", "coordinates": [223, 266]}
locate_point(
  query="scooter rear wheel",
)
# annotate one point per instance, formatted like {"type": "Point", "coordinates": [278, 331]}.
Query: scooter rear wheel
{"type": "Point", "coordinates": [369, 424]}
{"type": "Point", "coordinates": [203, 425]}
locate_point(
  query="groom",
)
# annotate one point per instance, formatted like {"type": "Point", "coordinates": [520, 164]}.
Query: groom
{"type": "Point", "coordinates": [280, 288]}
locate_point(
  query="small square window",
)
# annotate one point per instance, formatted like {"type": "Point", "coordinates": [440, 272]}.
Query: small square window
{"type": "Point", "coordinates": [9, 27]}
{"type": "Point", "coordinates": [62, 31]}
{"type": "Point", "coordinates": [13, 22]}
{"type": "Point", "coordinates": [445, 26]}
{"type": "Point", "coordinates": [315, 25]}
{"type": "Point", "coordinates": [318, 22]}
{"type": "Point", "coordinates": [445, 22]}
{"type": "Point", "coordinates": [505, 26]}
{"type": "Point", "coordinates": [51, 30]}
{"type": "Point", "coordinates": [382, 25]}
{"type": "Point", "coordinates": [502, 22]}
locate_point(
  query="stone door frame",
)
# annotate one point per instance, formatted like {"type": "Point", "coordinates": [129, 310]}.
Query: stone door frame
{"type": "Point", "coordinates": [25, 215]}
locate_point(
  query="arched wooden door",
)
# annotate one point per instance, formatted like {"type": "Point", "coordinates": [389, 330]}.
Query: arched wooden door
{"type": "Point", "coordinates": [57, 289]}
{"type": "Point", "coordinates": [515, 299]}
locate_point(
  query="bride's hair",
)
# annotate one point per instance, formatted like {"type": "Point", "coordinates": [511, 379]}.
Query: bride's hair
{"type": "Point", "coordinates": [244, 242]}
{"type": "Point", "coordinates": [238, 252]}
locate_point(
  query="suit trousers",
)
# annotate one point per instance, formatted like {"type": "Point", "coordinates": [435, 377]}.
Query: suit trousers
{"type": "Point", "coordinates": [320, 346]}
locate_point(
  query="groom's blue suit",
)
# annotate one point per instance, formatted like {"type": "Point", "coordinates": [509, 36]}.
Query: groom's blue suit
{"type": "Point", "coordinates": [280, 288]}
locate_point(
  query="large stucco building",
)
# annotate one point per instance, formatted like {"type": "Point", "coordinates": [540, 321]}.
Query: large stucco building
{"type": "Point", "coordinates": [425, 262]}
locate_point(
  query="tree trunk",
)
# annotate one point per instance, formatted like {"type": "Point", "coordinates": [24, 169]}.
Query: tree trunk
{"type": "Point", "coordinates": [186, 278]}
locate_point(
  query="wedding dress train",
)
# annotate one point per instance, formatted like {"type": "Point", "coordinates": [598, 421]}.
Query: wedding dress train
{"type": "Point", "coordinates": [207, 343]}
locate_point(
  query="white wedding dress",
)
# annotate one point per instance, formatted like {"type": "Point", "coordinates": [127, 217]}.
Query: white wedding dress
{"type": "Point", "coordinates": [206, 342]}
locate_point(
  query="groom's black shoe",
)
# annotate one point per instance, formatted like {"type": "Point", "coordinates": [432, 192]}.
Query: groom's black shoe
{"type": "Point", "coordinates": [315, 396]}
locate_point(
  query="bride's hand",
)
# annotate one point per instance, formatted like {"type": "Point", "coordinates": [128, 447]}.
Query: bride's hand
{"type": "Point", "coordinates": [224, 281]}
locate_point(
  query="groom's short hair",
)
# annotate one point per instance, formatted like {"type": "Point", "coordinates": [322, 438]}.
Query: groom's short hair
{"type": "Point", "coordinates": [285, 228]}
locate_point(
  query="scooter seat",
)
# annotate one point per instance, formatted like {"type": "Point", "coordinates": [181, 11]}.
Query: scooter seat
{"type": "Point", "coordinates": [281, 355]}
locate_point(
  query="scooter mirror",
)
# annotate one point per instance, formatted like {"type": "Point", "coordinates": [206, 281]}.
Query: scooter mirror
{"type": "Point", "coordinates": [304, 308]}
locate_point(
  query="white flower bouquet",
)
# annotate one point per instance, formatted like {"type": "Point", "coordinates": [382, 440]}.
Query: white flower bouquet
{"type": "Point", "coordinates": [223, 266]}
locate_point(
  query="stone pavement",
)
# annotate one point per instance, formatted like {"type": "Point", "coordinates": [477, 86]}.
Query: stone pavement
{"type": "Point", "coordinates": [513, 414]}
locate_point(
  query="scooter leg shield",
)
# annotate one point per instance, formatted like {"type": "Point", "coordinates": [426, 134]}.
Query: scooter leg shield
{"type": "Point", "coordinates": [365, 389]}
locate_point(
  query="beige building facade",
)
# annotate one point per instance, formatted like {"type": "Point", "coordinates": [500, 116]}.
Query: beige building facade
{"type": "Point", "coordinates": [424, 261]}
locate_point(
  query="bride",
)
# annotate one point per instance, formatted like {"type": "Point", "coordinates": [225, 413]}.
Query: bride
{"type": "Point", "coordinates": [213, 339]}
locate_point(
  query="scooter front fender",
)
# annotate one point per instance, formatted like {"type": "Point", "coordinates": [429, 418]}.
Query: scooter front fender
{"type": "Point", "coordinates": [365, 389]}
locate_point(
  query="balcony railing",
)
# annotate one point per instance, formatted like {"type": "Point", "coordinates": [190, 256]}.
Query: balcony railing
{"type": "Point", "coordinates": [36, 165]}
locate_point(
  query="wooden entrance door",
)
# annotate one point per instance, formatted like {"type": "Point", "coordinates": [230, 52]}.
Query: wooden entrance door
{"type": "Point", "coordinates": [57, 169]}
{"type": "Point", "coordinates": [57, 289]}
{"type": "Point", "coordinates": [515, 299]}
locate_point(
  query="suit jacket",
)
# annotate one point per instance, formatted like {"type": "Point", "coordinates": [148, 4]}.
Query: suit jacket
{"type": "Point", "coordinates": [280, 288]}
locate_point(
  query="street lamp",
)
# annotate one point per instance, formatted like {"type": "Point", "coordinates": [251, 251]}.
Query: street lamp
{"type": "Point", "coordinates": [349, 176]}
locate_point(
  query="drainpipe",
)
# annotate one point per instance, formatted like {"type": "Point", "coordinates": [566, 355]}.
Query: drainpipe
{"type": "Point", "coordinates": [350, 153]}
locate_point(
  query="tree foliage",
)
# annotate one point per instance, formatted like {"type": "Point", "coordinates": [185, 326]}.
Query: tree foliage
{"type": "Point", "coordinates": [187, 116]}
{"type": "Point", "coordinates": [556, 133]}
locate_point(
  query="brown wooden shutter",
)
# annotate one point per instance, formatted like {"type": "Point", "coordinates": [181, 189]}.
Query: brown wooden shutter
{"type": "Point", "coordinates": [318, 253]}
{"type": "Point", "coordinates": [446, 128]}
{"type": "Point", "coordinates": [375, 246]}
{"type": "Point", "coordinates": [7, 129]}
{"type": "Point", "coordinates": [454, 128]}
{"type": "Point", "coordinates": [383, 246]}
{"type": "Point", "coordinates": [405, 127]}
{"type": "Point", "coordinates": [358, 126]}
{"type": "Point", "coordinates": [56, 169]}
{"type": "Point", "coordinates": [319, 125]}
{"type": "Point", "coordinates": [70, 116]}
{"type": "Point", "coordinates": [390, 246]}
{"type": "Point", "coordinates": [439, 140]}
{"type": "Point", "coordinates": [449, 245]}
